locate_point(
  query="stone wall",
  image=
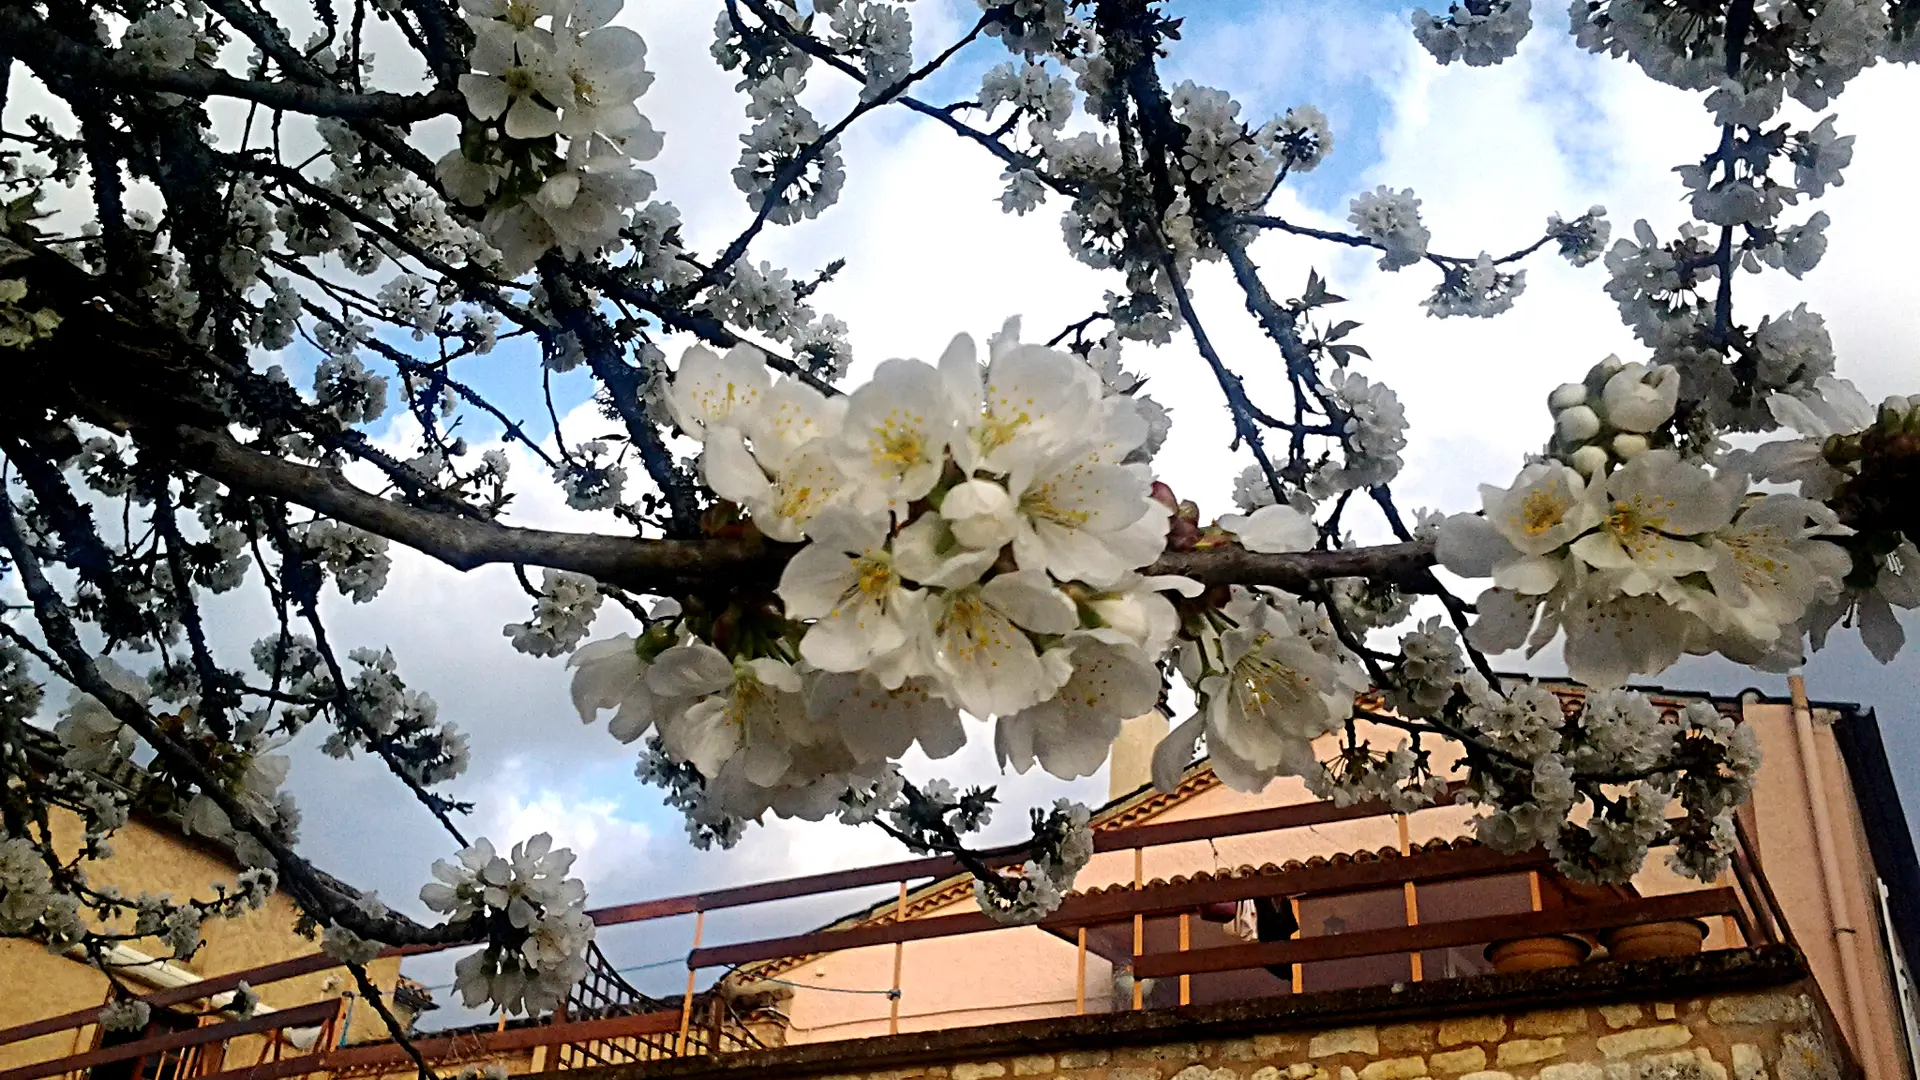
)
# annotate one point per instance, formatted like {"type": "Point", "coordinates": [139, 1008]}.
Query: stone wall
{"type": "Point", "coordinates": [1771, 1035]}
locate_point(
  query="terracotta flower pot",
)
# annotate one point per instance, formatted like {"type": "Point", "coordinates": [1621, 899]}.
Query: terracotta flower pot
{"type": "Point", "coordinates": [1537, 953]}
{"type": "Point", "coordinates": [1681, 937]}
{"type": "Point", "coordinates": [1221, 912]}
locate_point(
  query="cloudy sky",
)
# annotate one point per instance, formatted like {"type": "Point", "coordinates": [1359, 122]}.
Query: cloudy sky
{"type": "Point", "coordinates": [929, 254]}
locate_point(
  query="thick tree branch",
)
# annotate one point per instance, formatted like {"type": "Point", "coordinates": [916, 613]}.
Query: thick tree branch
{"type": "Point", "coordinates": [47, 52]}
{"type": "Point", "coordinates": [675, 566]}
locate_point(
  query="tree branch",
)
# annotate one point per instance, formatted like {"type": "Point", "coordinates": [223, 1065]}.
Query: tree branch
{"type": "Point", "coordinates": [45, 51]}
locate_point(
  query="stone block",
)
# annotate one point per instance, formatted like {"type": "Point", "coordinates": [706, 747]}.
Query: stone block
{"type": "Point", "coordinates": [1490, 1074]}
{"type": "Point", "coordinates": [1352, 1040]}
{"type": "Point", "coordinates": [1552, 1022]}
{"type": "Point", "coordinates": [1619, 1016]}
{"type": "Point", "coordinates": [1472, 1029]}
{"type": "Point", "coordinates": [1803, 1056]}
{"type": "Point", "coordinates": [1302, 1071]}
{"type": "Point", "coordinates": [1472, 1059]}
{"type": "Point", "coordinates": [1748, 1063]}
{"type": "Point", "coordinates": [1641, 1040]}
{"type": "Point", "coordinates": [1759, 1009]}
{"type": "Point", "coordinates": [1406, 1038]}
{"type": "Point", "coordinates": [1235, 1050]}
{"type": "Point", "coordinates": [1663, 1011]}
{"type": "Point", "coordinates": [1695, 1064]}
{"type": "Point", "coordinates": [1033, 1065]}
{"type": "Point", "coordinates": [984, 1070]}
{"type": "Point", "coordinates": [1129, 1072]}
{"type": "Point", "coordinates": [1269, 1072]}
{"type": "Point", "coordinates": [1401, 1068]}
{"type": "Point", "coordinates": [1168, 1052]}
{"type": "Point", "coordinates": [1530, 1051]}
{"type": "Point", "coordinates": [1201, 1072]}
{"type": "Point", "coordinates": [1572, 1070]}
{"type": "Point", "coordinates": [1271, 1046]}
{"type": "Point", "coordinates": [1084, 1059]}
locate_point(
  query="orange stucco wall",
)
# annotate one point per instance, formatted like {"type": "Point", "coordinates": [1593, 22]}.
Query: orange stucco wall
{"type": "Point", "coordinates": [1789, 856]}
{"type": "Point", "coordinates": [156, 858]}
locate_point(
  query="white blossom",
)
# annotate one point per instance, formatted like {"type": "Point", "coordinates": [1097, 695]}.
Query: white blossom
{"type": "Point", "coordinates": [1583, 239]}
{"type": "Point", "coordinates": [1480, 32]}
{"type": "Point", "coordinates": [1391, 219]}
{"type": "Point", "coordinates": [1303, 138]}
{"type": "Point", "coordinates": [562, 614]}
{"type": "Point", "coordinates": [125, 1014]}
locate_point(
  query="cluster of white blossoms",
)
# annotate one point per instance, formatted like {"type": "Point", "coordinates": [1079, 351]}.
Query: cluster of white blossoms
{"type": "Point", "coordinates": [1812, 51]}
{"type": "Point", "coordinates": [544, 71]}
{"type": "Point", "coordinates": [1478, 289]}
{"type": "Point", "coordinates": [1609, 418]}
{"type": "Point", "coordinates": [1583, 239]}
{"type": "Point", "coordinates": [1392, 220]}
{"type": "Point", "coordinates": [1065, 845]}
{"type": "Point", "coordinates": [1829, 417]}
{"type": "Point", "coordinates": [538, 928]}
{"type": "Point", "coordinates": [1480, 32]}
{"type": "Point", "coordinates": [1268, 673]}
{"type": "Point", "coordinates": [973, 540]}
{"type": "Point", "coordinates": [125, 1014]}
{"type": "Point", "coordinates": [1637, 553]}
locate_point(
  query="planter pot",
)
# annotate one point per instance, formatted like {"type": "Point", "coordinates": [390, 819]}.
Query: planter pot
{"type": "Point", "coordinates": [1644, 942]}
{"type": "Point", "coordinates": [1537, 953]}
{"type": "Point", "coordinates": [1221, 912]}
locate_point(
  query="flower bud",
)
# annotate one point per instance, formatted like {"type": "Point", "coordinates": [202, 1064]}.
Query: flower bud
{"type": "Point", "coordinates": [1628, 446]}
{"type": "Point", "coordinates": [980, 513]}
{"type": "Point", "coordinates": [1566, 396]}
{"type": "Point", "coordinates": [1589, 461]}
{"type": "Point", "coordinates": [1576, 425]}
{"type": "Point", "coordinates": [1639, 398]}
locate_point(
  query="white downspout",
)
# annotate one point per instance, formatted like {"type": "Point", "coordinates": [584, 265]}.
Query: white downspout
{"type": "Point", "coordinates": [157, 974]}
{"type": "Point", "coordinates": [1902, 980]}
{"type": "Point", "coordinates": [1846, 938]}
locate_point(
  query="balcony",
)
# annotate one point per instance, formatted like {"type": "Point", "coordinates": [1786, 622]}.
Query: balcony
{"type": "Point", "coordinates": [1352, 937]}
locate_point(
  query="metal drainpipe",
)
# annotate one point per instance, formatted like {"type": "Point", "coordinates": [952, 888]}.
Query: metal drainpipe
{"type": "Point", "coordinates": [346, 1022]}
{"type": "Point", "coordinates": [1846, 939]}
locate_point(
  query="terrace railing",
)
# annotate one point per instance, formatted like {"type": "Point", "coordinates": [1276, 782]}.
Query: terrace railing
{"type": "Point", "coordinates": [607, 1021]}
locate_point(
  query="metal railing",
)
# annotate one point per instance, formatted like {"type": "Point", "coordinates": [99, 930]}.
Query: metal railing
{"type": "Point", "coordinates": [607, 1021]}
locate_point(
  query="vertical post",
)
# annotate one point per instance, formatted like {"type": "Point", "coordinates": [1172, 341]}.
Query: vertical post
{"type": "Point", "coordinates": [1533, 888]}
{"type": "Point", "coordinates": [1416, 963]}
{"type": "Point", "coordinates": [1298, 931]}
{"type": "Point", "coordinates": [899, 957]}
{"type": "Point", "coordinates": [1080, 977]}
{"type": "Point", "coordinates": [330, 1035]}
{"type": "Point", "coordinates": [1186, 981]}
{"type": "Point", "coordinates": [1139, 934]}
{"type": "Point", "coordinates": [1839, 912]}
{"type": "Point", "coordinates": [686, 1003]}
